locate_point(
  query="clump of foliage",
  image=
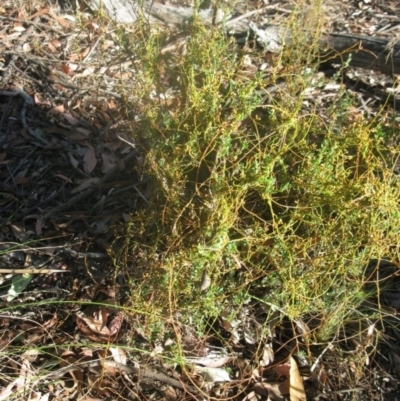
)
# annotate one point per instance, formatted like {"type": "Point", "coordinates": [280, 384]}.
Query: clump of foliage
{"type": "Point", "coordinates": [252, 197]}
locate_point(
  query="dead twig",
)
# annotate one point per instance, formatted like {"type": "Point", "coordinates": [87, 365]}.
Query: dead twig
{"type": "Point", "coordinates": [141, 372]}
{"type": "Point", "coordinates": [31, 271]}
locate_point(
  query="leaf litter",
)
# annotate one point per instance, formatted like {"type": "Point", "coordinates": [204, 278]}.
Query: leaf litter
{"type": "Point", "coordinates": [65, 333]}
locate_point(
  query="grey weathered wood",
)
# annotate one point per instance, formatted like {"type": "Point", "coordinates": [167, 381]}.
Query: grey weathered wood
{"type": "Point", "coordinates": [127, 11]}
{"type": "Point", "coordinates": [121, 11]}
{"type": "Point", "coordinates": [358, 51]}
{"type": "Point", "coordinates": [366, 52]}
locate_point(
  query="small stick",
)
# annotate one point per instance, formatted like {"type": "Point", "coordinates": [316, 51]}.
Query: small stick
{"type": "Point", "coordinates": [31, 271]}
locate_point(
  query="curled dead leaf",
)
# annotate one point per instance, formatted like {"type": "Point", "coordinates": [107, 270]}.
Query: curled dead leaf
{"type": "Point", "coordinates": [297, 392]}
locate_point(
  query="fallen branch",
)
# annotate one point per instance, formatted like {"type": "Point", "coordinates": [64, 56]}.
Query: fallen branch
{"type": "Point", "coordinates": [359, 51]}
{"type": "Point", "coordinates": [362, 51]}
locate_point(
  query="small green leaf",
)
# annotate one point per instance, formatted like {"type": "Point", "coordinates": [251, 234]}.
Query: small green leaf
{"type": "Point", "coordinates": [18, 284]}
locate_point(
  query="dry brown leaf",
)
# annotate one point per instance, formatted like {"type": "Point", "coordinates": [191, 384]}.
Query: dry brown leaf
{"type": "Point", "coordinates": [48, 324]}
{"type": "Point", "coordinates": [282, 370]}
{"type": "Point", "coordinates": [63, 177]}
{"type": "Point", "coordinates": [85, 52]}
{"type": "Point", "coordinates": [70, 118]}
{"type": "Point", "coordinates": [93, 26]}
{"type": "Point", "coordinates": [97, 326]}
{"type": "Point", "coordinates": [274, 391]}
{"type": "Point", "coordinates": [20, 175]}
{"type": "Point", "coordinates": [85, 184]}
{"type": "Point", "coordinates": [56, 43]}
{"type": "Point", "coordinates": [116, 324]}
{"type": "Point", "coordinates": [89, 160]}
{"type": "Point", "coordinates": [38, 227]}
{"type": "Point", "coordinates": [113, 145]}
{"type": "Point", "coordinates": [169, 393]}
{"type": "Point", "coordinates": [37, 396]}
{"type": "Point", "coordinates": [19, 233]}
{"type": "Point", "coordinates": [322, 376]}
{"type": "Point", "coordinates": [77, 137]}
{"type": "Point", "coordinates": [77, 376]}
{"type": "Point", "coordinates": [84, 131]}
{"type": "Point", "coordinates": [73, 161]}
{"type": "Point", "coordinates": [39, 102]}
{"type": "Point", "coordinates": [59, 19]}
{"type": "Point", "coordinates": [55, 110]}
{"type": "Point", "coordinates": [108, 163]}
{"type": "Point", "coordinates": [52, 48]}
{"type": "Point", "coordinates": [297, 392]}
{"type": "Point", "coordinates": [38, 13]}
{"type": "Point", "coordinates": [66, 69]}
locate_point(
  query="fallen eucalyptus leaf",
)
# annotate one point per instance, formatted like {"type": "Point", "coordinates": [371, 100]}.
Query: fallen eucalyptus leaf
{"type": "Point", "coordinates": [297, 392]}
